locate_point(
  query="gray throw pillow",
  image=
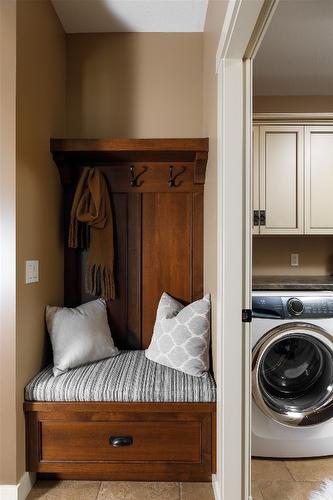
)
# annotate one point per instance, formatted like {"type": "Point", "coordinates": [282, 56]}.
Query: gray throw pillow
{"type": "Point", "coordinates": [181, 335]}
{"type": "Point", "coordinates": [79, 335]}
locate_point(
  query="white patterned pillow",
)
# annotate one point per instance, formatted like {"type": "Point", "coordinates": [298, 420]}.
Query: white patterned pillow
{"type": "Point", "coordinates": [181, 335]}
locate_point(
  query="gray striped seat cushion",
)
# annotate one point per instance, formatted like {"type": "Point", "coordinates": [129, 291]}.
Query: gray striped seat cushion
{"type": "Point", "coordinates": [130, 376]}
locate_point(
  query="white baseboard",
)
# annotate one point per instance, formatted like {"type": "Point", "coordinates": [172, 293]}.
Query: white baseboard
{"type": "Point", "coordinates": [18, 491]}
{"type": "Point", "coordinates": [216, 487]}
{"type": "Point", "coordinates": [8, 492]}
{"type": "Point", "coordinates": [26, 483]}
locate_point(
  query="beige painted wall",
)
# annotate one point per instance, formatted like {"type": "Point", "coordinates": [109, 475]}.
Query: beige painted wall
{"type": "Point", "coordinates": [271, 255]}
{"type": "Point", "coordinates": [214, 20]}
{"type": "Point", "coordinates": [134, 85]}
{"type": "Point", "coordinates": [41, 99]}
{"type": "Point", "coordinates": [293, 104]}
{"type": "Point", "coordinates": [7, 235]}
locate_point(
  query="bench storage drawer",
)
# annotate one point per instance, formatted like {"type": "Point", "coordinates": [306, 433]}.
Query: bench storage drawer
{"type": "Point", "coordinates": [119, 441]}
{"type": "Point", "coordinates": [122, 441]}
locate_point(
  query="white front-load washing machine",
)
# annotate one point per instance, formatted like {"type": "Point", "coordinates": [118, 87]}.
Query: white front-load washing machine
{"type": "Point", "coordinates": [292, 374]}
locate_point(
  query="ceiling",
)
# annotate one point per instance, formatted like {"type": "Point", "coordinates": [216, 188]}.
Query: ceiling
{"type": "Point", "coordinates": [296, 55]}
{"type": "Point", "coordinates": [103, 16]}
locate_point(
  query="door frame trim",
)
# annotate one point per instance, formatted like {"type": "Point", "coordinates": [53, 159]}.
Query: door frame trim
{"type": "Point", "coordinates": [8, 377]}
{"type": "Point", "coordinates": [243, 29]}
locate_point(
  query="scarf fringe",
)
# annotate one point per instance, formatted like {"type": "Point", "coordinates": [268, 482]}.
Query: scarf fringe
{"type": "Point", "coordinates": [73, 232]}
{"type": "Point", "coordinates": [100, 281]}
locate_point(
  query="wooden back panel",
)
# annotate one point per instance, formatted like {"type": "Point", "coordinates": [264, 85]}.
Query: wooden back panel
{"type": "Point", "coordinates": [158, 241]}
{"type": "Point", "coordinates": [170, 239]}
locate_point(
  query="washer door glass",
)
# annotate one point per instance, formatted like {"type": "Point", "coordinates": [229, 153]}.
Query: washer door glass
{"type": "Point", "coordinates": [295, 378]}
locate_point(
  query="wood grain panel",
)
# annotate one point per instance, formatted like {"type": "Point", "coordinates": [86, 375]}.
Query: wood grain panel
{"type": "Point", "coordinates": [72, 256]}
{"type": "Point", "coordinates": [172, 441]}
{"type": "Point", "coordinates": [89, 441]}
{"type": "Point", "coordinates": [128, 472]}
{"type": "Point", "coordinates": [134, 228]}
{"type": "Point", "coordinates": [117, 308]}
{"type": "Point", "coordinates": [95, 410]}
{"type": "Point", "coordinates": [130, 145]}
{"type": "Point", "coordinates": [197, 246]}
{"type": "Point", "coordinates": [166, 253]}
{"type": "Point", "coordinates": [158, 241]}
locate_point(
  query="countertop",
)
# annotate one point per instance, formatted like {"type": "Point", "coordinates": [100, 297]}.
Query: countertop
{"type": "Point", "coordinates": [292, 283]}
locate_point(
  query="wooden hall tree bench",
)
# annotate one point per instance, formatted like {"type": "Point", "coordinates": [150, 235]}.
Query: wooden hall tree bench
{"type": "Point", "coordinates": [156, 188]}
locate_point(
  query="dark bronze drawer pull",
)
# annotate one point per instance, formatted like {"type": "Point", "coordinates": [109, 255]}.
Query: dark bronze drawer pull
{"type": "Point", "coordinates": [118, 441]}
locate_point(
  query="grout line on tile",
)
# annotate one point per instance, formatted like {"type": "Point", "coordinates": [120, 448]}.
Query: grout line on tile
{"type": "Point", "coordinates": [98, 491]}
{"type": "Point", "coordinates": [290, 472]}
{"type": "Point", "coordinates": [180, 491]}
{"type": "Point", "coordinates": [263, 483]}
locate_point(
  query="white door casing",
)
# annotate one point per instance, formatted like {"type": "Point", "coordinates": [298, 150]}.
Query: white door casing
{"type": "Point", "coordinates": [8, 441]}
{"type": "Point", "coordinates": [244, 26]}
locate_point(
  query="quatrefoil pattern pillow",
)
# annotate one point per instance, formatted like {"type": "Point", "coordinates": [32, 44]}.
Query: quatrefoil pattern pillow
{"type": "Point", "coordinates": [181, 335]}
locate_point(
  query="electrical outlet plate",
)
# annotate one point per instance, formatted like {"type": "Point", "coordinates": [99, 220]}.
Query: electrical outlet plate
{"type": "Point", "coordinates": [31, 271]}
{"type": "Point", "coordinates": [294, 259]}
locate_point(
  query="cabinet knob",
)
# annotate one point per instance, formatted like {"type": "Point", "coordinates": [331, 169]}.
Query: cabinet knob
{"type": "Point", "coordinates": [118, 441]}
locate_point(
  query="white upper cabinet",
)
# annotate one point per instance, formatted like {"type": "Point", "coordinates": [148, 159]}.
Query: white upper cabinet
{"type": "Point", "coordinates": [281, 179]}
{"type": "Point", "coordinates": [292, 179]}
{"type": "Point", "coordinates": [319, 179]}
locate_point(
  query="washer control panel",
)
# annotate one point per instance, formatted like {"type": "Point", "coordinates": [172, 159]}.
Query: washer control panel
{"type": "Point", "coordinates": [285, 307]}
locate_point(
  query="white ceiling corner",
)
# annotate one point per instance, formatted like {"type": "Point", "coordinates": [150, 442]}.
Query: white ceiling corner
{"type": "Point", "coordinates": [103, 16]}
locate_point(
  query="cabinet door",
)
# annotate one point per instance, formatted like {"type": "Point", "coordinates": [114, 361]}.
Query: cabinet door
{"type": "Point", "coordinates": [255, 178]}
{"type": "Point", "coordinates": [319, 180]}
{"type": "Point", "coordinates": [281, 179]}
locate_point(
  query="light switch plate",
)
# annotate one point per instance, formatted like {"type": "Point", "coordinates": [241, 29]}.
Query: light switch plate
{"type": "Point", "coordinates": [31, 271]}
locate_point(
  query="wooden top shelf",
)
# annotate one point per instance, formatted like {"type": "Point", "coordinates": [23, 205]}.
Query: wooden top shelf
{"type": "Point", "coordinates": [128, 145]}
{"type": "Point", "coordinates": [127, 150]}
{"type": "Point", "coordinates": [70, 154]}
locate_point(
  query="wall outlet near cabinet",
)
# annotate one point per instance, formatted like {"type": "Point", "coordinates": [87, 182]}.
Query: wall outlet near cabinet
{"type": "Point", "coordinates": [31, 271]}
{"type": "Point", "coordinates": [294, 259]}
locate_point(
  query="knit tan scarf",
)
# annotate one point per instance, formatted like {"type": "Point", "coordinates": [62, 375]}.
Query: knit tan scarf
{"type": "Point", "coordinates": [91, 225]}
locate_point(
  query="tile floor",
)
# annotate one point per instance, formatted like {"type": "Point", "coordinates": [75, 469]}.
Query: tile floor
{"type": "Point", "coordinates": [271, 480]}
{"type": "Point", "coordinates": [288, 479]}
{"type": "Point", "coordinates": [116, 490]}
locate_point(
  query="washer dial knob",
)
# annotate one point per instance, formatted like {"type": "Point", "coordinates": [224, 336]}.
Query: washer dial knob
{"type": "Point", "coordinates": [295, 307]}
